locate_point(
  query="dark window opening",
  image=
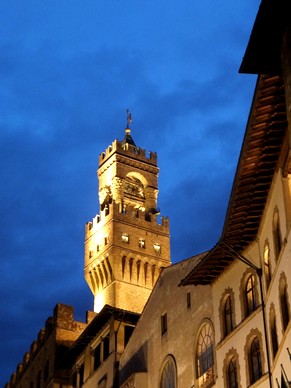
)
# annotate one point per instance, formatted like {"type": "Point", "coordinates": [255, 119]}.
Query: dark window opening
{"type": "Point", "coordinates": [255, 361]}
{"type": "Point", "coordinates": [228, 316]}
{"type": "Point", "coordinates": [277, 235]}
{"type": "Point", "coordinates": [97, 356]}
{"type": "Point", "coordinates": [164, 324]}
{"type": "Point", "coordinates": [81, 374]}
{"type": "Point", "coordinates": [274, 338]}
{"type": "Point", "coordinates": [38, 381]}
{"type": "Point", "coordinates": [128, 330]}
{"type": "Point", "coordinates": [106, 347]}
{"type": "Point", "coordinates": [188, 300]}
{"type": "Point", "coordinates": [232, 374]}
{"type": "Point", "coordinates": [250, 295]}
{"type": "Point", "coordinates": [284, 308]}
{"type": "Point", "coordinates": [46, 371]}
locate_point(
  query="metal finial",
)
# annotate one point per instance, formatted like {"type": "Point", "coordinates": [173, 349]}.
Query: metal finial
{"type": "Point", "coordinates": [129, 118]}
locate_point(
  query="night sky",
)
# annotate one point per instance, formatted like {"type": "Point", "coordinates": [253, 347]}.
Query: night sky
{"type": "Point", "coordinates": [68, 71]}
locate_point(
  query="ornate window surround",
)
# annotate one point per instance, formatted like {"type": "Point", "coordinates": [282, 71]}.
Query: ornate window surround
{"type": "Point", "coordinates": [168, 375]}
{"type": "Point", "coordinates": [231, 355]}
{"type": "Point", "coordinates": [228, 294]}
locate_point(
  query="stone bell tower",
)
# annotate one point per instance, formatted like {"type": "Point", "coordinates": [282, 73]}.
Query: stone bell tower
{"type": "Point", "coordinates": [125, 245]}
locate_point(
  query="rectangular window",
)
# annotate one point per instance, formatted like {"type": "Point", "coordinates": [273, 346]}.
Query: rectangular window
{"type": "Point", "coordinates": [164, 323]}
{"type": "Point", "coordinates": [125, 238]}
{"type": "Point", "coordinates": [141, 243]}
{"type": "Point", "coordinates": [157, 248]}
{"type": "Point", "coordinates": [97, 356]}
{"type": "Point", "coordinates": [188, 300]}
{"type": "Point", "coordinates": [105, 347]}
{"type": "Point", "coordinates": [46, 371]}
{"type": "Point", "coordinates": [127, 333]}
{"type": "Point", "coordinates": [90, 254]}
{"type": "Point", "coordinates": [97, 248]}
{"type": "Point", "coordinates": [81, 373]}
{"type": "Point", "coordinates": [38, 381]}
{"type": "Point", "coordinates": [105, 240]}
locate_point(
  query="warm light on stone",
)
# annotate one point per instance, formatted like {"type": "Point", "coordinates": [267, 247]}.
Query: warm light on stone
{"type": "Point", "coordinates": [98, 302]}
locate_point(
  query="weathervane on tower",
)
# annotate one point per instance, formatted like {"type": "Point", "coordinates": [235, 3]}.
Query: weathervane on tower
{"type": "Point", "coordinates": [129, 119]}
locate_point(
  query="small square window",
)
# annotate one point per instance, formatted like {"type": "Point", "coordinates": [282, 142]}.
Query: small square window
{"type": "Point", "coordinates": [164, 324]}
{"type": "Point", "coordinates": [125, 238]}
{"type": "Point", "coordinates": [157, 248]}
{"type": "Point", "coordinates": [141, 243]}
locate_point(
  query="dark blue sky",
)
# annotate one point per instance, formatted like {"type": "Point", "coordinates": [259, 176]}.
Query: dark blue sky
{"type": "Point", "coordinates": [68, 72]}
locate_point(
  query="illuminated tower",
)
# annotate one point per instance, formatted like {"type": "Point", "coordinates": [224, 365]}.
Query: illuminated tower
{"type": "Point", "coordinates": [125, 245]}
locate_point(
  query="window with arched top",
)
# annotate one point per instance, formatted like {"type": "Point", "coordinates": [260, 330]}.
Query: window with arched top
{"type": "Point", "coordinates": [267, 267]}
{"type": "Point", "coordinates": [273, 332]}
{"type": "Point", "coordinates": [205, 355]}
{"type": "Point", "coordinates": [231, 371]}
{"type": "Point", "coordinates": [277, 237]}
{"type": "Point", "coordinates": [255, 361]}
{"type": "Point", "coordinates": [284, 302]}
{"type": "Point", "coordinates": [169, 373]}
{"type": "Point", "coordinates": [228, 315]}
{"type": "Point", "coordinates": [250, 295]}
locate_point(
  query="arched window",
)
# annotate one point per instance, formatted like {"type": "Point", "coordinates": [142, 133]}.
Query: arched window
{"type": "Point", "coordinates": [205, 355]}
{"type": "Point", "coordinates": [273, 329]}
{"type": "Point", "coordinates": [250, 295]}
{"type": "Point", "coordinates": [168, 377]}
{"type": "Point", "coordinates": [232, 380]}
{"type": "Point", "coordinates": [277, 234]}
{"type": "Point", "coordinates": [267, 268]}
{"type": "Point", "coordinates": [255, 362]}
{"type": "Point", "coordinates": [228, 315]}
{"type": "Point", "coordinates": [284, 303]}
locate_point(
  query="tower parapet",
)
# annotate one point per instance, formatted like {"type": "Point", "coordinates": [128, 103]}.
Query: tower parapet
{"type": "Point", "coordinates": [128, 150]}
{"type": "Point", "coordinates": [130, 214]}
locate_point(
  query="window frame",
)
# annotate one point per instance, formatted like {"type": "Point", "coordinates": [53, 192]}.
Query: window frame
{"type": "Point", "coordinates": [273, 331]}
{"type": "Point", "coordinates": [267, 265]}
{"type": "Point", "coordinates": [204, 354]}
{"type": "Point", "coordinates": [228, 315]}
{"type": "Point", "coordinates": [277, 234]}
{"type": "Point", "coordinates": [164, 323]}
{"type": "Point", "coordinates": [168, 376]}
{"type": "Point", "coordinates": [250, 294]}
{"type": "Point", "coordinates": [255, 360]}
{"type": "Point", "coordinates": [232, 374]}
{"type": "Point", "coordinates": [284, 302]}
{"type": "Point", "coordinates": [103, 345]}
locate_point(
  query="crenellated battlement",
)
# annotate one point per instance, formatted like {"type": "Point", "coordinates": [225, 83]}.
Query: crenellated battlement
{"type": "Point", "coordinates": [63, 319]}
{"type": "Point", "coordinates": [130, 214]}
{"type": "Point", "coordinates": [128, 150]}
